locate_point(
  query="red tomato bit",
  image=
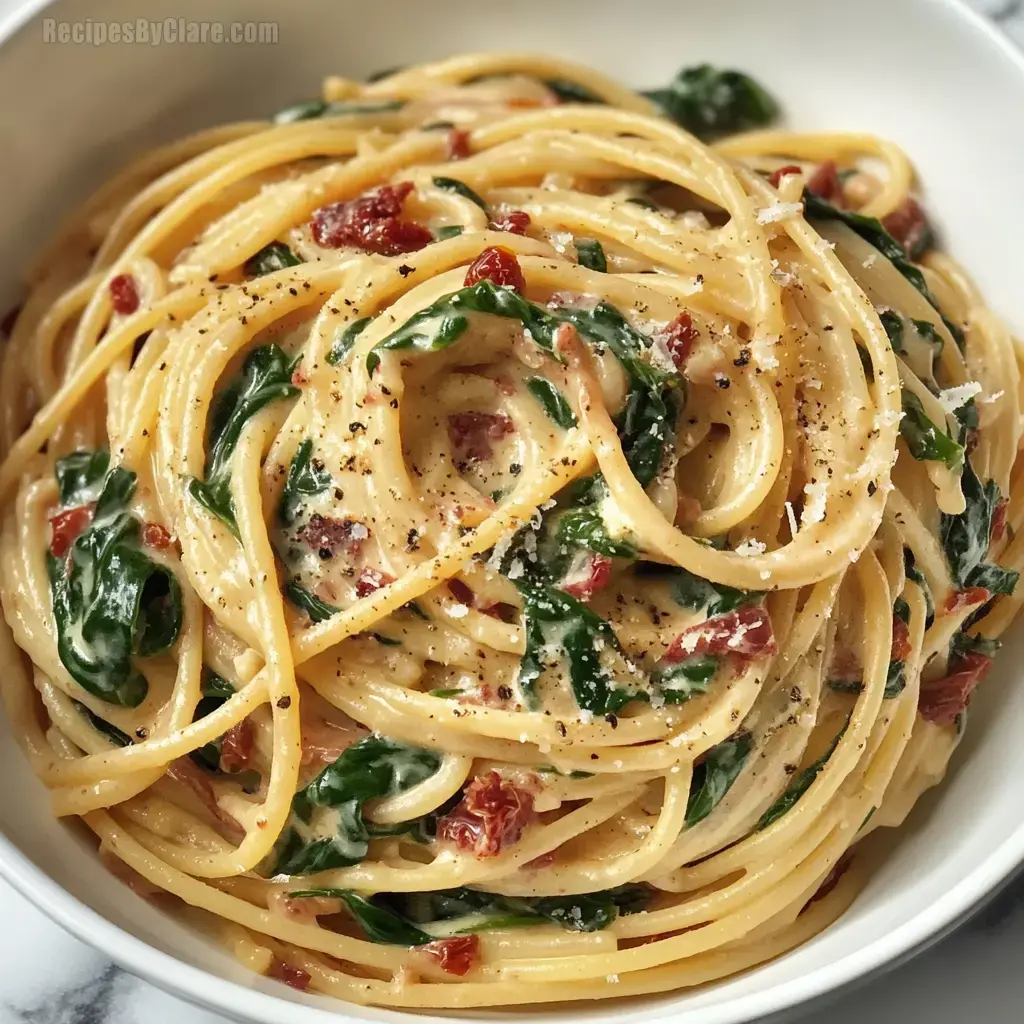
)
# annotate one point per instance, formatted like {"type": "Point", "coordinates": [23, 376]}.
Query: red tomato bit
{"type": "Point", "coordinates": [999, 520]}
{"type": "Point", "coordinates": [908, 224]}
{"type": "Point", "coordinates": [775, 178]}
{"type": "Point", "coordinates": [943, 699]}
{"type": "Point", "coordinates": [595, 574]}
{"type": "Point", "coordinates": [371, 222]}
{"type": "Point", "coordinates": [461, 592]}
{"type": "Point", "coordinates": [327, 536]}
{"type": "Point", "coordinates": [679, 337]}
{"type": "Point", "coordinates": [746, 633]}
{"type": "Point", "coordinates": [493, 814]}
{"type": "Point", "coordinates": [498, 265]}
{"type": "Point", "coordinates": [471, 433]}
{"type": "Point", "coordinates": [236, 747]}
{"type": "Point", "coordinates": [515, 221]}
{"type": "Point", "coordinates": [156, 536]}
{"type": "Point", "coordinates": [972, 597]}
{"type": "Point", "coordinates": [900, 640]}
{"type": "Point", "coordinates": [293, 976]}
{"type": "Point", "coordinates": [66, 526]}
{"type": "Point", "coordinates": [458, 144]}
{"type": "Point", "coordinates": [124, 294]}
{"type": "Point", "coordinates": [370, 580]}
{"type": "Point", "coordinates": [826, 183]}
{"type": "Point", "coordinates": [455, 955]}
{"type": "Point", "coordinates": [502, 610]}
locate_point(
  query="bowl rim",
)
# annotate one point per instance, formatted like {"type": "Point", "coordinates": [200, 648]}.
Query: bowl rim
{"type": "Point", "coordinates": [237, 1001]}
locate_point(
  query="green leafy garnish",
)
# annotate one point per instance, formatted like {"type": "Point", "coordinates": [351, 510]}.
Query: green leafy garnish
{"type": "Point", "coordinates": [713, 777]}
{"type": "Point", "coordinates": [701, 595]}
{"type": "Point", "coordinates": [893, 324]}
{"type": "Point", "coordinates": [379, 923]}
{"type": "Point", "coordinates": [800, 784]}
{"type": "Point", "coordinates": [590, 254]}
{"type": "Point", "coordinates": [344, 341]}
{"type": "Point", "coordinates": [552, 401]}
{"type": "Point", "coordinates": [80, 476]}
{"type": "Point", "coordinates": [926, 442]}
{"type": "Point", "coordinates": [275, 256]}
{"type": "Point", "coordinates": [266, 376]}
{"type": "Point", "coordinates": [571, 92]}
{"type": "Point", "coordinates": [448, 231]}
{"type": "Point", "coordinates": [678, 681]}
{"type": "Point", "coordinates": [710, 103]}
{"type": "Point", "coordinates": [317, 610]}
{"type": "Point", "coordinates": [460, 188]}
{"type": "Point", "coordinates": [372, 768]}
{"type": "Point", "coordinates": [112, 733]}
{"type": "Point", "coordinates": [111, 602]}
{"type": "Point", "coordinates": [306, 478]}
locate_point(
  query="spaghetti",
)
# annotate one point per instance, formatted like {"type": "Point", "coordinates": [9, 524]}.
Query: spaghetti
{"type": "Point", "coordinates": [492, 537]}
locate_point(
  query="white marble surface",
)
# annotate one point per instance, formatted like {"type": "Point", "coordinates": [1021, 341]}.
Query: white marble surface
{"type": "Point", "coordinates": [47, 977]}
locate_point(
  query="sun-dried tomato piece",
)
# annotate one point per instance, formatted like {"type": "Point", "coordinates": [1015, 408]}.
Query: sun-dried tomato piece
{"type": "Point", "coordinates": [943, 699]}
{"type": "Point", "coordinates": [832, 878]}
{"type": "Point", "coordinates": [156, 536]}
{"type": "Point", "coordinates": [371, 579]}
{"type": "Point", "coordinates": [457, 144]}
{"type": "Point", "coordinates": [970, 597]}
{"type": "Point", "coordinates": [998, 521]}
{"type": "Point", "coordinates": [461, 592]}
{"type": "Point", "coordinates": [900, 640]}
{"type": "Point", "coordinates": [908, 224]}
{"type": "Point", "coordinates": [591, 577]}
{"type": "Point", "coordinates": [471, 433]}
{"type": "Point", "coordinates": [296, 977]}
{"type": "Point", "coordinates": [501, 610]}
{"type": "Point", "coordinates": [185, 771]}
{"type": "Point", "coordinates": [826, 183]}
{"type": "Point", "coordinates": [499, 265]}
{"type": "Point", "coordinates": [236, 747]}
{"type": "Point", "coordinates": [324, 740]}
{"type": "Point", "coordinates": [456, 955]}
{"type": "Point", "coordinates": [679, 337]}
{"type": "Point", "coordinates": [775, 178]}
{"type": "Point", "coordinates": [371, 222]}
{"type": "Point", "coordinates": [492, 815]}
{"type": "Point", "coordinates": [66, 526]}
{"type": "Point", "coordinates": [327, 536]}
{"type": "Point", "coordinates": [746, 633]}
{"type": "Point", "coordinates": [124, 294]}
{"type": "Point", "coordinates": [514, 221]}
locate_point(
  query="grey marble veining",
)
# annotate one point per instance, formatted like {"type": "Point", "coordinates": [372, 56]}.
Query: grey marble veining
{"type": "Point", "coordinates": [975, 975]}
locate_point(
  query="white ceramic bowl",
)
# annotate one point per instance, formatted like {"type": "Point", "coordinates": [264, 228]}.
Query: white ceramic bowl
{"type": "Point", "coordinates": [927, 73]}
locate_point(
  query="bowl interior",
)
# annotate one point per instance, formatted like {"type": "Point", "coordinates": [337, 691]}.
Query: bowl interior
{"type": "Point", "coordinates": [937, 81]}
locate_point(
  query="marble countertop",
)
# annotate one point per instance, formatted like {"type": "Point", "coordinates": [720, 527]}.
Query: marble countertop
{"type": "Point", "coordinates": [50, 978]}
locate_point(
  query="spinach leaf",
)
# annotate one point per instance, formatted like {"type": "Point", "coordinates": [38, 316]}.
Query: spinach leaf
{"type": "Point", "coordinates": [873, 232]}
{"type": "Point", "coordinates": [343, 342]}
{"type": "Point", "coordinates": [552, 401]}
{"type": "Point", "coordinates": [374, 767]}
{"type": "Point", "coordinates": [926, 329]}
{"type": "Point", "coordinates": [915, 574]}
{"type": "Point", "coordinates": [893, 324]}
{"type": "Point", "coordinates": [379, 923]}
{"type": "Point", "coordinates": [591, 912]}
{"type": "Point", "coordinates": [448, 231]}
{"type": "Point", "coordinates": [796, 789]}
{"type": "Point", "coordinates": [112, 733]}
{"type": "Point", "coordinates": [111, 602]}
{"type": "Point", "coordinates": [708, 102]}
{"type": "Point", "coordinates": [584, 528]}
{"type": "Point", "coordinates": [966, 538]}
{"type": "Point", "coordinates": [322, 108]}
{"type": "Point", "coordinates": [460, 188]}
{"type": "Point", "coordinates": [713, 777]}
{"type": "Point", "coordinates": [216, 686]}
{"type": "Point", "coordinates": [701, 595]}
{"type": "Point", "coordinates": [926, 442]}
{"type": "Point", "coordinates": [266, 375]}
{"type": "Point", "coordinates": [306, 477]}
{"type": "Point", "coordinates": [275, 256]}
{"type": "Point", "coordinates": [590, 254]}
{"type": "Point", "coordinates": [317, 610]}
{"type": "Point", "coordinates": [80, 476]}
{"type": "Point", "coordinates": [963, 643]}
{"type": "Point", "coordinates": [679, 681]}
{"type": "Point", "coordinates": [554, 618]}
{"type": "Point", "coordinates": [216, 690]}
{"type": "Point", "coordinates": [643, 427]}
{"type": "Point", "coordinates": [572, 92]}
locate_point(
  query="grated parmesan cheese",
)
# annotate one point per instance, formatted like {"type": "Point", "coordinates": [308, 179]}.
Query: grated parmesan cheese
{"type": "Point", "coordinates": [953, 398]}
{"type": "Point", "coordinates": [751, 547]}
{"type": "Point", "coordinates": [989, 399]}
{"type": "Point", "coordinates": [791, 516]}
{"type": "Point", "coordinates": [814, 506]}
{"type": "Point", "coordinates": [660, 357]}
{"type": "Point", "coordinates": [761, 350]}
{"type": "Point", "coordinates": [776, 211]}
